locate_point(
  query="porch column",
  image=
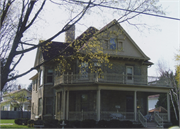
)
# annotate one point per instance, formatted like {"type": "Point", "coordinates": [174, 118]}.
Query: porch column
{"type": "Point", "coordinates": [168, 107]}
{"type": "Point", "coordinates": [64, 104]}
{"type": "Point", "coordinates": [98, 104]}
{"type": "Point", "coordinates": [135, 105]}
{"type": "Point", "coordinates": [67, 105]}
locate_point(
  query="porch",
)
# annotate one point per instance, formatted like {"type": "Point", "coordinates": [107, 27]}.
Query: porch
{"type": "Point", "coordinates": [112, 78]}
{"type": "Point", "coordinates": [106, 105]}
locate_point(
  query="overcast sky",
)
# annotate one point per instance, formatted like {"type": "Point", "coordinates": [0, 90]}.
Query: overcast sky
{"type": "Point", "coordinates": [160, 44]}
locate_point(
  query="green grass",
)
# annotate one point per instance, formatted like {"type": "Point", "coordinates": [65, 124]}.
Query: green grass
{"type": "Point", "coordinates": [10, 121]}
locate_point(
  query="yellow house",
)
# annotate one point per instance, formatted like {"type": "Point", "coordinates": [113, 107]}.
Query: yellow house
{"type": "Point", "coordinates": [117, 92]}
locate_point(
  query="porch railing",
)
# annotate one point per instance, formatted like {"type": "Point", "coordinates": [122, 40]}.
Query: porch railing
{"type": "Point", "coordinates": [110, 78]}
{"type": "Point", "coordinates": [142, 119]}
{"type": "Point", "coordinates": [82, 115]}
{"type": "Point", "coordinates": [109, 115]}
{"type": "Point", "coordinates": [164, 116]}
{"type": "Point", "coordinates": [158, 119]}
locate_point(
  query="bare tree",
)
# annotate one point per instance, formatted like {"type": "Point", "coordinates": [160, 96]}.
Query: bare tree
{"type": "Point", "coordinates": [18, 17]}
{"type": "Point", "coordinates": [172, 80]}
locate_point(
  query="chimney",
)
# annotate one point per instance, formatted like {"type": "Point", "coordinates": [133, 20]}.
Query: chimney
{"type": "Point", "coordinates": [70, 34]}
{"type": "Point", "coordinates": [19, 87]}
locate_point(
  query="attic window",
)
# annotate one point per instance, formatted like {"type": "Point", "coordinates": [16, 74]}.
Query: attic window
{"type": "Point", "coordinates": [114, 44]}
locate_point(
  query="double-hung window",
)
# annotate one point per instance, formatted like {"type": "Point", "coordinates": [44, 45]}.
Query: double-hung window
{"type": "Point", "coordinates": [84, 70]}
{"type": "Point", "coordinates": [41, 77]}
{"type": "Point", "coordinates": [49, 76]}
{"type": "Point", "coordinates": [129, 73]}
{"type": "Point", "coordinates": [114, 44]}
{"type": "Point", "coordinates": [40, 106]}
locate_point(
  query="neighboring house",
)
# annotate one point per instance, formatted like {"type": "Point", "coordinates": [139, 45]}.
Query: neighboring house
{"type": "Point", "coordinates": [152, 100]}
{"type": "Point", "coordinates": [14, 100]}
{"type": "Point", "coordinates": [120, 92]}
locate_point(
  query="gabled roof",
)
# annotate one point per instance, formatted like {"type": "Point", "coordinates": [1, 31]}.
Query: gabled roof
{"type": "Point", "coordinates": [115, 22]}
{"type": "Point", "coordinates": [54, 49]}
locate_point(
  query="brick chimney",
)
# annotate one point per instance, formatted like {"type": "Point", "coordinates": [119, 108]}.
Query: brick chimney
{"type": "Point", "coordinates": [70, 34]}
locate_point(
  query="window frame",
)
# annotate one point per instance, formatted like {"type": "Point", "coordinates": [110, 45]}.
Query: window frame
{"type": "Point", "coordinates": [41, 78]}
{"type": "Point", "coordinates": [39, 106]}
{"type": "Point", "coordinates": [49, 75]}
{"type": "Point", "coordinates": [130, 77]}
{"type": "Point", "coordinates": [84, 70]}
{"type": "Point", "coordinates": [119, 44]}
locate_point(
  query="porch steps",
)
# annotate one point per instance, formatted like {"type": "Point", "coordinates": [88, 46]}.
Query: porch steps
{"type": "Point", "coordinates": [151, 125]}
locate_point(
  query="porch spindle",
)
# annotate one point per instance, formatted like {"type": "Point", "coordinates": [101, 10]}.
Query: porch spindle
{"type": "Point", "coordinates": [63, 78]}
{"type": "Point", "coordinates": [123, 77]}
{"type": "Point", "coordinates": [96, 77]}
{"type": "Point", "coordinates": [71, 77]}
{"type": "Point", "coordinates": [67, 78]}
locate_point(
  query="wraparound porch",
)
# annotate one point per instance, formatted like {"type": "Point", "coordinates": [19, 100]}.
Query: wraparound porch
{"type": "Point", "coordinates": [103, 104]}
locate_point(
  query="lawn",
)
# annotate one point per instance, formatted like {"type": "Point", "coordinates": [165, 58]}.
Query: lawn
{"type": "Point", "coordinates": [9, 123]}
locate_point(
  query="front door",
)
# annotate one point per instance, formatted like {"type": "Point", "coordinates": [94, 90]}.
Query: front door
{"type": "Point", "coordinates": [129, 103]}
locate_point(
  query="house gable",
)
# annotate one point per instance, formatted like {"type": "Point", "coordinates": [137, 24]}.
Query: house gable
{"type": "Point", "coordinates": [125, 46]}
{"type": "Point", "coordinates": [38, 58]}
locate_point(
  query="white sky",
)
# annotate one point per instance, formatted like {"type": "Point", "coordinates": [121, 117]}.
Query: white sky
{"type": "Point", "coordinates": [158, 45]}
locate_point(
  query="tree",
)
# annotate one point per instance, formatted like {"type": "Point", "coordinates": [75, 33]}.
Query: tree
{"type": "Point", "coordinates": [17, 22]}
{"type": "Point", "coordinates": [30, 87]}
{"type": "Point", "coordinates": [171, 79]}
{"type": "Point", "coordinates": [178, 81]}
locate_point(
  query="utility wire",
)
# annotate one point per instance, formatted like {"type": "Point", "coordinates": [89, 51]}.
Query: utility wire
{"type": "Point", "coordinates": [155, 15]}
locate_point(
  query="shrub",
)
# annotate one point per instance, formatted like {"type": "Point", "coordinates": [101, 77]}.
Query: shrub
{"type": "Point", "coordinates": [68, 125]}
{"type": "Point", "coordinates": [137, 126]}
{"type": "Point", "coordinates": [126, 124]}
{"type": "Point", "coordinates": [114, 123]}
{"type": "Point", "coordinates": [18, 121]}
{"type": "Point", "coordinates": [30, 123]}
{"type": "Point", "coordinates": [102, 124]}
{"type": "Point", "coordinates": [51, 123]}
{"type": "Point", "coordinates": [89, 123]}
{"type": "Point", "coordinates": [25, 121]}
{"type": "Point", "coordinates": [39, 122]}
{"type": "Point", "coordinates": [75, 124]}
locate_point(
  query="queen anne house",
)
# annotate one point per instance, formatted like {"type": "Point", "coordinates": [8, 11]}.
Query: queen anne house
{"type": "Point", "coordinates": [120, 92]}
